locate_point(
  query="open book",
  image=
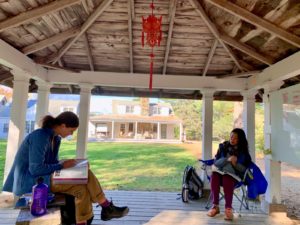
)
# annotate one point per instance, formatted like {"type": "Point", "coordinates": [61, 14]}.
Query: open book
{"type": "Point", "coordinates": [74, 175]}
{"type": "Point", "coordinates": [216, 169]}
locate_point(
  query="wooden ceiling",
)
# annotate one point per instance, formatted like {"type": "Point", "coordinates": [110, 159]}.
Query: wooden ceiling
{"type": "Point", "coordinates": [220, 38]}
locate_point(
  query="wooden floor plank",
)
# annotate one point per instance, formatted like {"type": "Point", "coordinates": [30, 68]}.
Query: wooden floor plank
{"type": "Point", "coordinates": [153, 208]}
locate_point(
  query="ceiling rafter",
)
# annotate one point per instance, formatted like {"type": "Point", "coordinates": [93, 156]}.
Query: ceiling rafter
{"type": "Point", "coordinates": [51, 41]}
{"type": "Point", "coordinates": [95, 14]}
{"type": "Point", "coordinates": [210, 56]}
{"type": "Point", "coordinates": [130, 5]}
{"type": "Point", "coordinates": [257, 21]}
{"type": "Point", "coordinates": [173, 4]}
{"type": "Point", "coordinates": [212, 27]}
{"type": "Point", "coordinates": [35, 13]}
{"type": "Point", "coordinates": [247, 49]}
{"type": "Point", "coordinates": [88, 51]}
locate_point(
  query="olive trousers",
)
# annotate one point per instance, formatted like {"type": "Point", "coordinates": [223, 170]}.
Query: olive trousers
{"type": "Point", "coordinates": [85, 195]}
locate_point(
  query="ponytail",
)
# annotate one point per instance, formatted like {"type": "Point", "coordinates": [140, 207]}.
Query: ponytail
{"type": "Point", "coordinates": [68, 118]}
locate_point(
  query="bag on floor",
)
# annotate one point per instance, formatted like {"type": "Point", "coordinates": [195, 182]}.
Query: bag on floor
{"type": "Point", "coordinates": [192, 185]}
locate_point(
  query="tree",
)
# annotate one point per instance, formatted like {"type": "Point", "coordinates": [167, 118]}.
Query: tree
{"type": "Point", "coordinates": [190, 113]}
{"type": "Point", "coordinates": [222, 120]}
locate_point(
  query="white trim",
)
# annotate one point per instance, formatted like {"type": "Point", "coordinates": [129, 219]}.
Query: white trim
{"type": "Point", "coordinates": [181, 82]}
{"type": "Point", "coordinates": [282, 70]}
{"type": "Point", "coordinates": [16, 60]}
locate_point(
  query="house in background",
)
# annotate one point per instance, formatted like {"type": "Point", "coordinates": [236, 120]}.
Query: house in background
{"type": "Point", "coordinates": [137, 120]}
{"type": "Point", "coordinates": [57, 104]}
{"type": "Point", "coordinates": [128, 120]}
{"type": "Point", "coordinates": [5, 115]}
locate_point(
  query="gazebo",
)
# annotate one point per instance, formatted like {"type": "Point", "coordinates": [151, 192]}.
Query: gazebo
{"type": "Point", "coordinates": [238, 50]}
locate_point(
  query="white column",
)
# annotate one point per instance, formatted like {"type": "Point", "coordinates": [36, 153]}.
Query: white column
{"type": "Point", "coordinates": [158, 130]}
{"type": "Point", "coordinates": [42, 105]}
{"type": "Point", "coordinates": [84, 109]}
{"type": "Point", "coordinates": [272, 168]}
{"type": "Point", "coordinates": [249, 119]}
{"type": "Point", "coordinates": [17, 119]}
{"type": "Point", "coordinates": [112, 129]}
{"type": "Point", "coordinates": [181, 132]}
{"type": "Point", "coordinates": [136, 130]}
{"type": "Point", "coordinates": [207, 122]}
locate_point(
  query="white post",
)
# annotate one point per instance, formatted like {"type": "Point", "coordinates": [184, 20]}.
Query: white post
{"type": "Point", "coordinates": [84, 109]}
{"type": "Point", "coordinates": [249, 119]}
{"type": "Point", "coordinates": [272, 167]}
{"type": "Point", "coordinates": [42, 105]}
{"type": "Point", "coordinates": [207, 122]}
{"type": "Point", "coordinates": [136, 130]}
{"type": "Point", "coordinates": [181, 133]}
{"type": "Point", "coordinates": [158, 130]}
{"type": "Point", "coordinates": [112, 129]}
{"type": "Point", "coordinates": [17, 120]}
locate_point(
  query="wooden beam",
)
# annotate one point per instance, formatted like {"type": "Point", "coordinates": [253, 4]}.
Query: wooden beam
{"type": "Point", "coordinates": [51, 41]}
{"type": "Point", "coordinates": [212, 27]}
{"type": "Point", "coordinates": [247, 49]}
{"type": "Point", "coordinates": [16, 60]}
{"type": "Point", "coordinates": [88, 51]}
{"type": "Point", "coordinates": [210, 56]}
{"type": "Point", "coordinates": [50, 66]}
{"type": "Point", "coordinates": [130, 5]}
{"type": "Point", "coordinates": [60, 63]}
{"type": "Point", "coordinates": [173, 4]}
{"type": "Point", "coordinates": [257, 21]}
{"type": "Point", "coordinates": [235, 75]}
{"type": "Point", "coordinates": [35, 13]}
{"type": "Point", "coordinates": [138, 80]}
{"type": "Point", "coordinates": [97, 12]}
{"type": "Point", "coordinates": [282, 70]}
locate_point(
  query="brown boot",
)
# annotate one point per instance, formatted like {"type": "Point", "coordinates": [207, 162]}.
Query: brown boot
{"type": "Point", "coordinates": [228, 214]}
{"type": "Point", "coordinates": [213, 211]}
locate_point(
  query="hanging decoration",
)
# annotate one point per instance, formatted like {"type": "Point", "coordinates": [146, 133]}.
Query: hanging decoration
{"type": "Point", "coordinates": [152, 28]}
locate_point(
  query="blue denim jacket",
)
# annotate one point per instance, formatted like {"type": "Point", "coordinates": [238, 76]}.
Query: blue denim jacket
{"type": "Point", "coordinates": [35, 158]}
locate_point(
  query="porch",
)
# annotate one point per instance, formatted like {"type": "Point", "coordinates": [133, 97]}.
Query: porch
{"type": "Point", "coordinates": [164, 208]}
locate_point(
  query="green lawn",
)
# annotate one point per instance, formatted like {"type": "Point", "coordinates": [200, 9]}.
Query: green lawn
{"type": "Point", "coordinates": [130, 166]}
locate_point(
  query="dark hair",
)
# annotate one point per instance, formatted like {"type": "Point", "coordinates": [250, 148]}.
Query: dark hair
{"type": "Point", "coordinates": [242, 140]}
{"type": "Point", "coordinates": [68, 118]}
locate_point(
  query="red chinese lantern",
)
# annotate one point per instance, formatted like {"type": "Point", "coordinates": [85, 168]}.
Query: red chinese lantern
{"type": "Point", "coordinates": [152, 28]}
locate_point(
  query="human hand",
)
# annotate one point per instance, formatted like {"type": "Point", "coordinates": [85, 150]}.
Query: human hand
{"type": "Point", "coordinates": [232, 159]}
{"type": "Point", "coordinates": [69, 163]}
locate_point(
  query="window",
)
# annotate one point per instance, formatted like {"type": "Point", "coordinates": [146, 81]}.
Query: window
{"type": "Point", "coordinates": [101, 127]}
{"type": "Point", "coordinates": [29, 126]}
{"type": "Point", "coordinates": [5, 128]}
{"type": "Point", "coordinates": [156, 110]}
{"type": "Point", "coordinates": [129, 108]}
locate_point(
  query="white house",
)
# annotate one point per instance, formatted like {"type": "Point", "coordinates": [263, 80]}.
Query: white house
{"type": "Point", "coordinates": [137, 120]}
{"type": "Point", "coordinates": [5, 116]}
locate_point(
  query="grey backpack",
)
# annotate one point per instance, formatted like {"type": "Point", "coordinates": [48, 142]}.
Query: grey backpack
{"type": "Point", "coordinates": [192, 185]}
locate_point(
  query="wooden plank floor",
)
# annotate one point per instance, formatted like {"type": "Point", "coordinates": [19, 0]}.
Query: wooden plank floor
{"type": "Point", "coordinates": [154, 208]}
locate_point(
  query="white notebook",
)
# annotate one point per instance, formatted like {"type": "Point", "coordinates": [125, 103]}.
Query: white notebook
{"type": "Point", "coordinates": [74, 175]}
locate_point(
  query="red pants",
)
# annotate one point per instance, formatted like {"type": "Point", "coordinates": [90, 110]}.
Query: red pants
{"type": "Point", "coordinates": [217, 180]}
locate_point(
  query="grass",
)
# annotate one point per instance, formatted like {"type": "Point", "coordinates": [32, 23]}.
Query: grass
{"type": "Point", "coordinates": [130, 166]}
{"type": "Point", "coordinates": [2, 160]}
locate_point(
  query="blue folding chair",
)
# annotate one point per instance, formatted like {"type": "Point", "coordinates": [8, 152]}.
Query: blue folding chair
{"type": "Point", "coordinates": [206, 164]}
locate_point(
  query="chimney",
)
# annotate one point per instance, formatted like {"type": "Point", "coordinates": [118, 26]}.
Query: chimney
{"type": "Point", "coordinates": [144, 106]}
